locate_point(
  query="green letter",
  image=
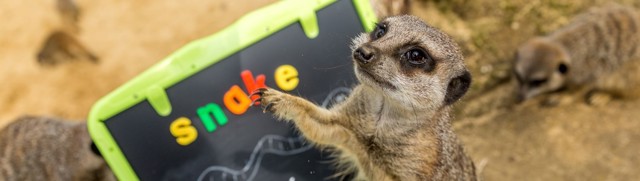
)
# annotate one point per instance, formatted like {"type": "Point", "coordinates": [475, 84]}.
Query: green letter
{"type": "Point", "coordinates": [205, 116]}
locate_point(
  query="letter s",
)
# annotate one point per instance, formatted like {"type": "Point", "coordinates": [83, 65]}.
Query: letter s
{"type": "Point", "coordinates": [184, 132]}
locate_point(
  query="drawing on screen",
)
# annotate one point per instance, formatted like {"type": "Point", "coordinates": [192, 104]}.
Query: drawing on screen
{"type": "Point", "coordinates": [337, 95]}
{"type": "Point", "coordinates": [270, 144]}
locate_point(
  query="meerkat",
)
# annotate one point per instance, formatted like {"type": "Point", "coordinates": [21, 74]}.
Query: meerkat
{"type": "Point", "coordinates": [384, 8]}
{"type": "Point", "coordinates": [41, 148]}
{"type": "Point", "coordinates": [395, 125]}
{"type": "Point", "coordinates": [69, 14]}
{"type": "Point", "coordinates": [61, 47]}
{"type": "Point", "coordinates": [582, 54]}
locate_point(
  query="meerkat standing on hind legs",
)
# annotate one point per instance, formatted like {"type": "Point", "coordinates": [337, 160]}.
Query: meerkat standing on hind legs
{"type": "Point", "coordinates": [395, 125]}
{"type": "Point", "coordinates": [595, 52]}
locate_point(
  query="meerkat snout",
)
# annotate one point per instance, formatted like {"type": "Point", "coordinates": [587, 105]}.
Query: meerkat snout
{"type": "Point", "coordinates": [363, 56]}
{"type": "Point", "coordinates": [541, 67]}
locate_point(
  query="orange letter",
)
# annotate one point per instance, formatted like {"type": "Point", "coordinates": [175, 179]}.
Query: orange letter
{"type": "Point", "coordinates": [182, 130]}
{"type": "Point", "coordinates": [236, 101]}
{"type": "Point", "coordinates": [252, 85]}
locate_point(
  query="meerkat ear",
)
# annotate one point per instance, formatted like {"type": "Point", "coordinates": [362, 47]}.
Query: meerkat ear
{"type": "Point", "coordinates": [457, 88]}
{"type": "Point", "coordinates": [563, 69]}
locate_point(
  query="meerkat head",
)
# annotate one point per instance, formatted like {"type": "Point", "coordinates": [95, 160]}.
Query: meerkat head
{"type": "Point", "coordinates": [411, 62]}
{"type": "Point", "coordinates": [540, 67]}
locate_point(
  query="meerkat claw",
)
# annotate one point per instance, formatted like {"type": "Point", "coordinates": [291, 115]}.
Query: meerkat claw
{"type": "Point", "coordinates": [259, 92]}
{"type": "Point", "coordinates": [268, 107]}
{"type": "Point", "coordinates": [256, 101]}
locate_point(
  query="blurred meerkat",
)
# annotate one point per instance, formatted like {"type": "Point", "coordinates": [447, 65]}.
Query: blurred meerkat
{"type": "Point", "coordinates": [384, 8]}
{"type": "Point", "coordinates": [40, 148]}
{"type": "Point", "coordinates": [60, 47]}
{"type": "Point", "coordinates": [69, 13]}
{"type": "Point", "coordinates": [395, 125]}
{"type": "Point", "coordinates": [584, 53]}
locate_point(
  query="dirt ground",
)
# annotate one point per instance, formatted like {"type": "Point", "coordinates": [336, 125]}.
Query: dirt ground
{"type": "Point", "coordinates": [570, 141]}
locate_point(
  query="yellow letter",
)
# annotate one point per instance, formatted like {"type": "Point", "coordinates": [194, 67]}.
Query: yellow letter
{"type": "Point", "coordinates": [286, 77]}
{"type": "Point", "coordinates": [183, 131]}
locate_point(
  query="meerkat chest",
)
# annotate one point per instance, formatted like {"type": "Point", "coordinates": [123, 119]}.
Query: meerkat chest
{"type": "Point", "coordinates": [390, 151]}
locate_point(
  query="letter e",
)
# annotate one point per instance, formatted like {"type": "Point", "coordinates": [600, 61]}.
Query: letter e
{"type": "Point", "coordinates": [286, 77]}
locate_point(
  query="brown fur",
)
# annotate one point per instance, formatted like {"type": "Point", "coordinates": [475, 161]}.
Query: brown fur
{"type": "Point", "coordinates": [395, 125]}
{"type": "Point", "coordinates": [593, 46]}
{"type": "Point", "coordinates": [39, 148]}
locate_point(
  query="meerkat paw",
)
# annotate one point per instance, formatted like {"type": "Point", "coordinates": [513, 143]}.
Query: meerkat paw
{"type": "Point", "coordinates": [268, 98]}
{"type": "Point", "coordinates": [556, 100]}
{"type": "Point", "coordinates": [276, 102]}
{"type": "Point", "coordinates": [596, 98]}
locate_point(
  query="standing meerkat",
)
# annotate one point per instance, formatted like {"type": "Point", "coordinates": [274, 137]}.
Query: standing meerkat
{"type": "Point", "coordinates": [395, 125]}
{"type": "Point", "coordinates": [585, 52]}
{"type": "Point", "coordinates": [39, 148]}
{"type": "Point", "coordinates": [69, 14]}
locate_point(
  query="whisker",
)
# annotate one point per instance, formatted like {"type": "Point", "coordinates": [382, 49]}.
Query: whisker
{"type": "Point", "coordinates": [329, 68]}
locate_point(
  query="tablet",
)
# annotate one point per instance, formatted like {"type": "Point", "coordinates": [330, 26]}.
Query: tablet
{"type": "Point", "coordinates": [189, 116]}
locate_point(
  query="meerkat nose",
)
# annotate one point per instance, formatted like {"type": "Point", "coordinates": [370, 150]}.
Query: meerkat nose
{"type": "Point", "coordinates": [363, 56]}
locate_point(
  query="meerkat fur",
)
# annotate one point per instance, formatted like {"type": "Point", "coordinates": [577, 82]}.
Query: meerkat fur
{"type": "Point", "coordinates": [395, 125]}
{"type": "Point", "coordinates": [44, 148]}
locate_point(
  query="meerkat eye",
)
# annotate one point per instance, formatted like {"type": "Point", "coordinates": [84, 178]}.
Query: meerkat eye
{"type": "Point", "coordinates": [381, 30]}
{"type": "Point", "coordinates": [562, 68]}
{"type": "Point", "coordinates": [537, 82]}
{"type": "Point", "coordinates": [416, 57]}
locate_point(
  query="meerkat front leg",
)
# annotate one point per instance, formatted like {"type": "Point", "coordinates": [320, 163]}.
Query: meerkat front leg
{"type": "Point", "coordinates": [316, 123]}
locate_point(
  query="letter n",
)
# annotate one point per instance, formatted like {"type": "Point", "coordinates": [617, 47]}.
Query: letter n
{"type": "Point", "coordinates": [206, 113]}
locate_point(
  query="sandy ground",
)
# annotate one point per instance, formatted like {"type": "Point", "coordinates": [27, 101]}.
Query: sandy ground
{"type": "Point", "coordinates": [571, 141]}
{"type": "Point", "coordinates": [127, 36]}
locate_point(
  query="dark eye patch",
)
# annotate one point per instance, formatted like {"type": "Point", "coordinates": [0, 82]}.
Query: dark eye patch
{"type": "Point", "coordinates": [379, 31]}
{"type": "Point", "coordinates": [417, 57]}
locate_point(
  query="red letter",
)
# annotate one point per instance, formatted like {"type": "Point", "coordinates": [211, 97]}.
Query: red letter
{"type": "Point", "coordinates": [252, 85]}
